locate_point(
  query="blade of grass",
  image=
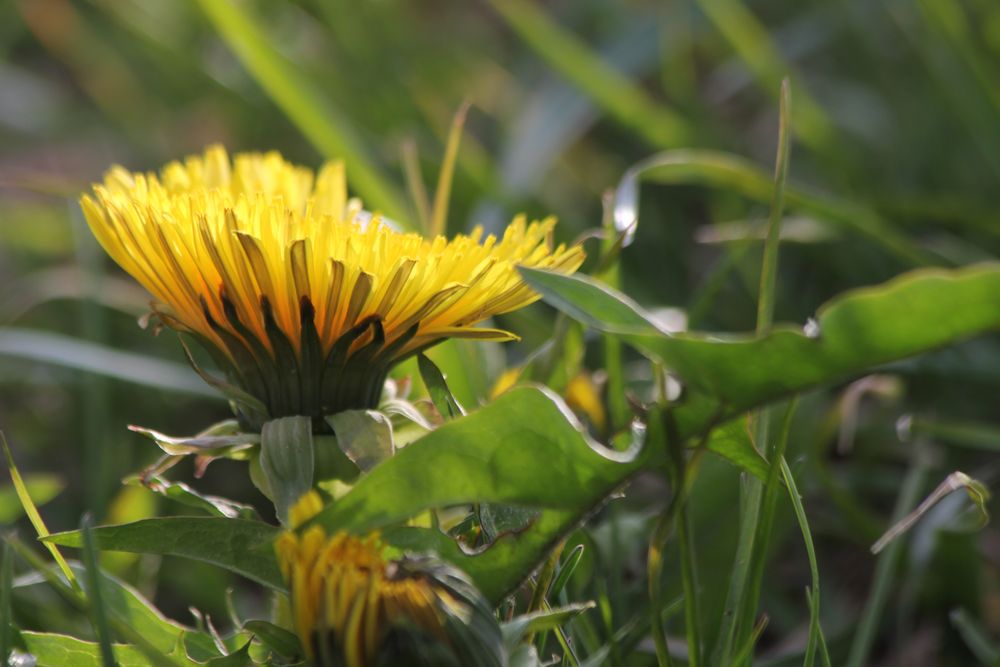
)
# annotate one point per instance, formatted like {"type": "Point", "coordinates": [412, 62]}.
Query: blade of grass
{"type": "Point", "coordinates": [101, 461]}
{"type": "Point", "coordinates": [769, 270]}
{"type": "Point", "coordinates": [439, 214]}
{"type": "Point", "coordinates": [739, 176]}
{"type": "Point", "coordinates": [589, 72]}
{"type": "Point", "coordinates": [769, 502]}
{"type": "Point", "coordinates": [415, 183]}
{"type": "Point", "coordinates": [302, 102]}
{"type": "Point", "coordinates": [680, 474]}
{"type": "Point", "coordinates": [32, 512]}
{"type": "Point", "coordinates": [952, 23]}
{"type": "Point", "coordinates": [81, 355]}
{"type": "Point", "coordinates": [654, 564]}
{"type": "Point", "coordinates": [737, 624]}
{"type": "Point", "coordinates": [864, 636]}
{"type": "Point", "coordinates": [98, 615]}
{"type": "Point", "coordinates": [6, 609]}
{"type": "Point", "coordinates": [816, 638]}
{"type": "Point", "coordinates": [746, 650]}
{"type": "Point", "coordinates": [752, 43]}
{"type": "Point", "coordinates": [975, 636]}
{"type": "Point", "coordinates": [544, 581]}
{"type": "Point", "coordinates": [76, 598]}
{"type": "Point", "coordinates": [566, 570]}
{"type": "Point", "coordinates": [692, 592]}
{"type": "Point", "coordinates": [661, 432]}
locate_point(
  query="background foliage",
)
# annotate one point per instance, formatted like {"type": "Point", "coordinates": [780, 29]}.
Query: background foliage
{"type": "Point", "coordinates": [895, 161]}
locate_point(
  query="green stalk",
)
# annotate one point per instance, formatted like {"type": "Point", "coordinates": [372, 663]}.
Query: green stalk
{"type": "Point", "coordinates": [864, 636]}
{"type": "Point", "coordinates": [738, 620]}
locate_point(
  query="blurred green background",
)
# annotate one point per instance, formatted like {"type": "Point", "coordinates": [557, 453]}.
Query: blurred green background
{"type": "Point", "coordinates": [896, 162]}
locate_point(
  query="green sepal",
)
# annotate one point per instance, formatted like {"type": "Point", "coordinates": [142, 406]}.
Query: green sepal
{"type": "Point", "coordinates": [365, 436]}
{"type": "Point", "coordinates": [286, 381]}
{"type": "Point", "coordinates": [287, 460]}
{"type": "Point", "coordinates": [331, 462]}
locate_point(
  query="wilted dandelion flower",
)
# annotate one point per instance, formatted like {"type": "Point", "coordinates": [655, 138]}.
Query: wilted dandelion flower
{"type": "Point", "coordinates": [305, 299]}
{"type": "Point", "coordinates": [352, 607]}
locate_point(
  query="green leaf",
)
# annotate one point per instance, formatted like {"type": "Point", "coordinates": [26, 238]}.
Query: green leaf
{"type": "Point", "coordinates": [732, 442]}
{"type": "Point", "coordinates": [566, 570]}
{"type": "Point", "coordinates": [437, 387]}
{"type": "Point", "coordinates": [726, 375]}
{"type": "Point", "coordinates": [238, 658]}
{"type": "Point", "coordinates": [500, 568]}
{"type": "Point", "coordinates": [365, 436]}
{"type": "Point", "coordinates": [202, 444]}
{"type": "Point", "coordinates": [278, 639]}
{"type": "Point", "coordinates": [492, 456]}
{"type": "Point", "coordinates": [525, 655]}
{"type": "Point", "coordinates": [240, 546]}
{"type": "Point", "coordinates": [287, 460]}
{"type": "Point", "coordinates": [184, 494]}
{"type": "Point", "coordinates": [539, 621]}
{"type": "Point", "coordinates": [51, 650]}
{"type": "Point", "coordinates": [42, 488]}
{"type": "Point", "coordinates": [495, 519]}
{"type": "Point", "coordinates": [126, 605]}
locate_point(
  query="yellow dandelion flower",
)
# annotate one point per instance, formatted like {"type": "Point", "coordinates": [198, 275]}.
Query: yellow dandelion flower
{"type": "Point", "coordinates": [353, 607]}
{"type": "Point", "coordinates": [306, 299]}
